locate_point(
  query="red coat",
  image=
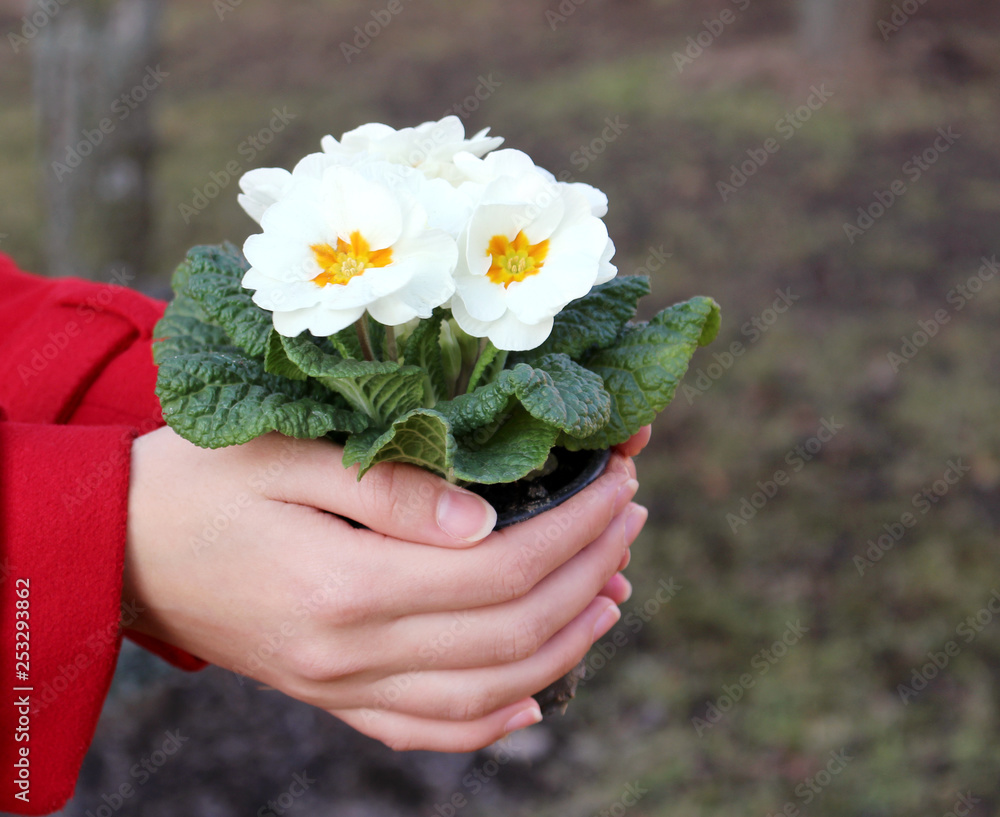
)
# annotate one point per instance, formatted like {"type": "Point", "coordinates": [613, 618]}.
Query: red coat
{"type": "Point", "coordinates": [76, 387]}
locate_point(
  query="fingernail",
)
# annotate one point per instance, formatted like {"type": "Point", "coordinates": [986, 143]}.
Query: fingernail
{"type": "Point", "coordinates": [625, 494]}
{"type": "Point", "coordinates": [634, 521]}
{"type": "Point", "coordinates": [465, 516]}
{"type": "Point", "coordinates": [626, 558]}
{"type": "Point", "coordinates": [627, 589]}
{"type": "Point", "coordinates": [607, 620]}
{"type": "Point", "coordinates": [524, 718]}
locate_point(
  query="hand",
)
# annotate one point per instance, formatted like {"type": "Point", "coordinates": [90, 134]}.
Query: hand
{"type": "Point", "coordinates": [425, 631]}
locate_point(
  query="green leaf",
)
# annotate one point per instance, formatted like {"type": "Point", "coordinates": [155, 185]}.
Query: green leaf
{"type": "Point", "coordinates": [423, 349]}
{"type": "Point", "coordinates": [277, 362]}
{"type": "Point", "coordinates": [422, 437]}
{"type": "Point", "coordinates": [486, 358]}
{"type": "Point", "coordinates": [520, 446]}
{"type": "Point", "coordinates": [182, 330]}
{"type": "Point", "coordinates": [556, 390]}
{"type": "Point", "coordinates": [642, 369]}
{"type": "Point", "coordinates": [212, 277]}
{"type": "Point", "coordinates": [382, 390]}
{"type": "Point", "coordinates": [219, 397]}
{"type": "Point", "coordinates": [593, 320]}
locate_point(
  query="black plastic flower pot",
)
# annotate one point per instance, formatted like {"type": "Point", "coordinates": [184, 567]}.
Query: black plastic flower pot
{"type": "Point", "coordinates": [518, 501]}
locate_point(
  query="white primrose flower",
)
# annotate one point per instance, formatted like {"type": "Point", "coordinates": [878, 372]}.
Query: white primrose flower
{"type": "Point", "coordinates": [429, 147]}
{"type": "Point", "coordinates": [531, 246]}
{"type": "Point", "coordinates": [344, 241]}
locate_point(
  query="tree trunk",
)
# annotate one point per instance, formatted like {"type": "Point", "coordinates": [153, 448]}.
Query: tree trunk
{"type": "Point", "coordinates": [835, 31]}
{"type": "Point", "coordinates": [96, 80]}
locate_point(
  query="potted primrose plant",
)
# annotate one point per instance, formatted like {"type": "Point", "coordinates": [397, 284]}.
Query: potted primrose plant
{"type": "Point", "coordinates": [420, 296]}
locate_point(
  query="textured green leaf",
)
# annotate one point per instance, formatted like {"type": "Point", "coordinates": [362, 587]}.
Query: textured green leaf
{"type": "Point", "coordinates": [520, 446]}
{"type": "Point", "coordinates": [212, 277]}
{"type": "Point", "coordinates": [219, 397]}
{"type": "Point", "coordinates": [383, 390]}
{"type": "Point", "coordinates": [486, 358]}
{"type": "Point", "coordinates": [423, 349]}
{"type": "Point", "coordinates": [642, 369]}
{"type": "Point", "coordinates": [422, 437]}
{"type": "Point", "coordinates": [593, 320]}
{"type": "Point", "coordinates": [557, 391]}
{"type": "Point", "coordinates": [277, 362]}
{"type": "Point", "coordinates": [183, 330]}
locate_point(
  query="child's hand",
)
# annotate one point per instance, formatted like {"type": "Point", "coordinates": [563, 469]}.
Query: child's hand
{"type": "Point", "coordinates": [425, 631]}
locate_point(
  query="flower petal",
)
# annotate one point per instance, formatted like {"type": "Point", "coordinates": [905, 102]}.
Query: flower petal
{"type": "Point", "coordinates": [352, 203]}
{"type": "Point", "coordinates": [262, 188]}
{"type": "Point", "coordinates": [321, 321]}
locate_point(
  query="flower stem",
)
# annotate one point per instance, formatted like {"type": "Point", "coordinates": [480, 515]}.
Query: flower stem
{"type": "Point", "coordinates": [363, 337]}
{"type": "Point", "coordinates": [390, 344]}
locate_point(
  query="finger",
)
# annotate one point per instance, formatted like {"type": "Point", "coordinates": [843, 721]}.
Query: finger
{"type": "Point", "coordinates": [472, 694]}
{"type": "Point", "coordinates": [402, 732]}
{"type": "Point", "coordinates": [505, 566]}
{"type": "Point", "coordinates": [618, 589]}
{"type": "Point", "coordinates": [638, 441]}
{"type": "Point", "coordinates": [396, 499]}
{"type": "Point", "coordinates": [510, 632]}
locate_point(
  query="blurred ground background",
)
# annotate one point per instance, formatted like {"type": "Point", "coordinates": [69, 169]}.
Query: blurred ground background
{"type": "Point", "coordinates": [766, 675]}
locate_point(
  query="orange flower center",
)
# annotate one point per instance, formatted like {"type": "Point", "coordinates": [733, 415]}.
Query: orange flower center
{"type": "Point", "coordinates": [515, 260]}
{"type": "Point", "coordinates": [340, 265]}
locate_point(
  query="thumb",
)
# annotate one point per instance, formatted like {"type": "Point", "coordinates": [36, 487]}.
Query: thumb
{"type": "Point", "coordinates": [396, 499]}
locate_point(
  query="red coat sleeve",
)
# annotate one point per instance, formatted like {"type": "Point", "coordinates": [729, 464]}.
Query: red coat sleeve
{"type": "Point", "coordinates": [76, 387]}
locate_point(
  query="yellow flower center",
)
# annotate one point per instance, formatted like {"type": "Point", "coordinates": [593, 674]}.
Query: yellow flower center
{"type": "Point", "coordinates": [515, 260]}
{"type": "Point", "coordinates": [340, 265]}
